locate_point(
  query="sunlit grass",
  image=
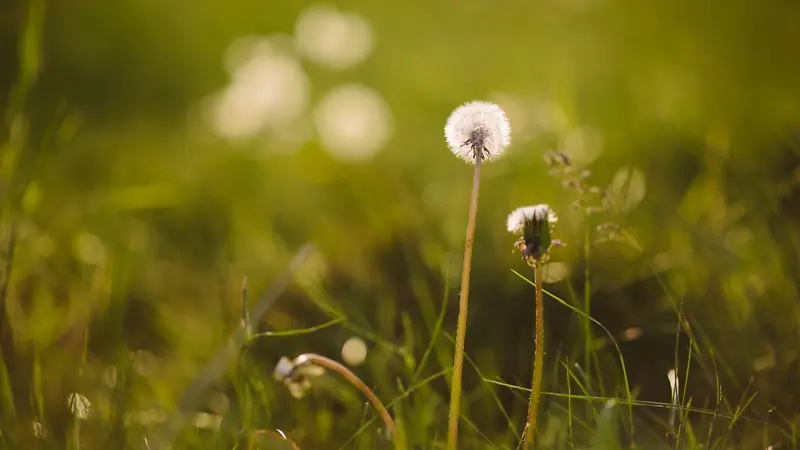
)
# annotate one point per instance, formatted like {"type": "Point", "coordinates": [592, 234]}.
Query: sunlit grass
{"type": "Point", "coordinates": [72, 317]}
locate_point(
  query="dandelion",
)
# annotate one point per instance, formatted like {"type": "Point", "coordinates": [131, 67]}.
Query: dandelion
{"type": "Point", "coordinates": [478, 130]}
{"type": "Point", "coordinates": [536, 225]}
{"type": "Point", "coordinates": [475, 131]}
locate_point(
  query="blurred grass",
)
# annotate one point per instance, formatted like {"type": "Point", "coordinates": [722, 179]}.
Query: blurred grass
{"type": "Point", "coordinates": [127, 226]}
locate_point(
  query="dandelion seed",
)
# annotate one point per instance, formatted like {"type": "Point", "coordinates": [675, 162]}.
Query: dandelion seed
{"type": "Point", "coordinates": [478, 129]}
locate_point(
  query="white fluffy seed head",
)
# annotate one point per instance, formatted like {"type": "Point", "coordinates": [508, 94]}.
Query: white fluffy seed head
{"type": "Point", "coordinates": [478, 129]}
{"type": "Point", "coordinates": [520, 216]}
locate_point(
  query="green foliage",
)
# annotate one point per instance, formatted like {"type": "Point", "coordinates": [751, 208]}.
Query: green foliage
{"type": "Point", "coordinates": [127, 226]}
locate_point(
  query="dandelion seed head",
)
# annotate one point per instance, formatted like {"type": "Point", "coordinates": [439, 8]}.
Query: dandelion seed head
{"type": "Point", "coordinates": [535, 225]}
{"type": "Point", "coordinates": [478, 129]}
{"type": "Point", "coordinates": [537, 213]}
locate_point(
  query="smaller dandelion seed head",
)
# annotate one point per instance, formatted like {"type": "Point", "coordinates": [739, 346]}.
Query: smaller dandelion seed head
{"type": "Point", "coordinates": [535, 225]}
{"type": "Point", "coordinates": [478, 130]}
{"type": "Point", "coordinates": [526, 214]}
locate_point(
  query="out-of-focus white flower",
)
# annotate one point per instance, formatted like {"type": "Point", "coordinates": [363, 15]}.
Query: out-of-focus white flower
{"type": "Point", "coordinates": [518, 218]}
{"type": "Point", "coordinates": [269, 89]}
{"type": "Point", "coordinates": [478, 129]}
{"type": "Point", "coordinates": [353, 122]}
{"type": "Point", "coordinates": [354, 351]}
{"type": "Point", "coordinates": [335, 39]}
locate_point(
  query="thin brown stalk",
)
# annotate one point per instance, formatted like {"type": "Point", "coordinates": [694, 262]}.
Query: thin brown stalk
{"type": "Point", "coordinates": [327, 363]}
{"type": "Point", "coordinates": [461, 328]}
{"type": "Point", "coordinates": [274, 434]}
{"type": "Point", "coordinates": [538, 361]}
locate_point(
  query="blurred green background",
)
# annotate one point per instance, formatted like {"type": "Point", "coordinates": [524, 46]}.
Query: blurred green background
{"type": "Point", "coordinates": [156, 153]}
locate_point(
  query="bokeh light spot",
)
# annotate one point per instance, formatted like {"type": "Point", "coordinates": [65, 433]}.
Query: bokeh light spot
{"type": "Point", "coordinates": [332, 38]}
{"type": "Point", "coordinates": [353, 122]}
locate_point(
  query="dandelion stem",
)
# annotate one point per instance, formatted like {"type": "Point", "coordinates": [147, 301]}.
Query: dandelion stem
{"type": "Point", "coordinates": [461, 328]}
{"type": "Point", "coordinates": [327, 363]}
{"type": "Point", "coordinates": [538, 360]}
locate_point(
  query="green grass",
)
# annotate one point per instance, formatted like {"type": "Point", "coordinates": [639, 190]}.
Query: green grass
{"type": "Point", "coordinates": [122, 286]}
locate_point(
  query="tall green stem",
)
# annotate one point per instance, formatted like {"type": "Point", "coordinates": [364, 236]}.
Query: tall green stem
{"type": "Point", "coordinates": [538, 361]}
{"type": "Point", "coordinates": [461, 328]}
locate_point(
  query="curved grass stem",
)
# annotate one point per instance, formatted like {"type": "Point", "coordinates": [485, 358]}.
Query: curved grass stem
{"type": "Point", "coordinates": [538, 361]}
{"type": "Point", "coordinates": [273, 434]}
{"type": "Point", "coordinates": [461, 327]}
{"type": "Point", "coordinates": [327, 363]}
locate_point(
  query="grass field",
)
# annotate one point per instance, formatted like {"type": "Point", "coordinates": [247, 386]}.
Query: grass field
{"type": "Point", "coordinates": [204, 203]}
